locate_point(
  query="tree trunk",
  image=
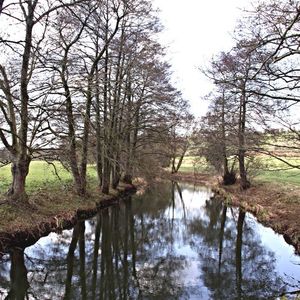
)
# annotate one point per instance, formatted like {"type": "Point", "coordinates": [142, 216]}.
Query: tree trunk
{"type": "Point", "coordinates": [127, 178]}
{"type": "Point", "coordinates": [106, 176]}
{"type": "Point", "coordinates": [180, 161]}
{"type": "Point", "coordinates": [128, 164]}
{"type": "Point", "coordinates": [106, 135]}
{"type": "Point", "coordinates": [85, 137]}
{"type": "Point", "coordinates": [116, 175]}
{"type": "Point", "coordinates": [224, 145]}
{"type": "Point", "coordinates": [99, 164]}
{"type": "Point", "coordinates": [173, 171]}
{"type": "Point", "coordinates": [245, 184]}
{"type": "Point", "coordinates": [72, 146]}
{"type": "Point", "coordinates": [229, 176]}
{"type": "Point", "coordinates": [115, 116]}
{"type": "Point", "coordinates": [99, 151]}
{"type": "Point", "coordinates": [19, 170]}
{"type": "Point", "coordinates": [71, 128]}
{"type": "Point", "coordinates": [175, 168]}
{"type": "Point", "coordinates": [21, 159]}
{"type": "Point", "coordinates": [132, 139]}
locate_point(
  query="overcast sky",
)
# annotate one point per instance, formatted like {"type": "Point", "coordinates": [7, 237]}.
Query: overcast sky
{"type": "Point", "coordinates": [195, 30]}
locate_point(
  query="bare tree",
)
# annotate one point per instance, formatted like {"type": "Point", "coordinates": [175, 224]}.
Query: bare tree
{"type": "Point", "coordinates": [88, 78]}
{"type": "Point", "coordinates": [17, 119]}
{"type": "Point", "coordinates": [218, 143]}
{"type": "Point", "coordinates": [234, 72]}
{"type": "Point", "coordinates": [23, 112]}
{"type": "Point", "coordinates": [179, 141]}
{"type": "Point", "coordinates": [79, 74]}
{"type": "Point", "coordinates": [276, 26]}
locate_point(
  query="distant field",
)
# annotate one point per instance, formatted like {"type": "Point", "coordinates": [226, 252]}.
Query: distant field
{"type": "Point", "coordinates": [271, 169]}
{"type": "Point", "coordinates": [277, 171]}
{"type": "Point", "coordinates": [195, 164]}
{"type": "Point", "coordinates": [289, 176]}
{"type": "Point", "coordinates": [42, 175]}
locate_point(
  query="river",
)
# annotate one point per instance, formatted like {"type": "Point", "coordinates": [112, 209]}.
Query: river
{"type": "Point", "coordinates": [173, 242]}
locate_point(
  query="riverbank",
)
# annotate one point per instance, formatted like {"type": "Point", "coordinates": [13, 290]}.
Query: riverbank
{"type": "Point", "coordinates": [274, 205]}
{"type": "Point", "coordinates": [23, 224]}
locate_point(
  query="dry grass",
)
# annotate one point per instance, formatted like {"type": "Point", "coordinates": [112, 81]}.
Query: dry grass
{"type": "Point", "coordinates": [53, 205]}
{"type": "Point", "coordinates": [275, 205]}
{"type": "Point", "coordinates": [51, 198]}
{"type": "Point", "coordinates": [48, 211]}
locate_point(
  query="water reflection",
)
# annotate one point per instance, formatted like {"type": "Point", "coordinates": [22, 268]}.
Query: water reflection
{"type": "Point", "coordinates": [174, 242]}
{"type": "Point", "coordinates": [18, 275]}
{"type": "Point", "coordinates": [235, 265]}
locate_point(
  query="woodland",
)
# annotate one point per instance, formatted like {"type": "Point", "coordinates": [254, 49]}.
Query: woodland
{"type": "Point", "coordinates": [85, 87]}
{"type": "Point", "coordinates": [90, 113]}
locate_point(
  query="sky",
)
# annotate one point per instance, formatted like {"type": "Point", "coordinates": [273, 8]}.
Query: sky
{"type": "Point", "coordinates": [195, 31]}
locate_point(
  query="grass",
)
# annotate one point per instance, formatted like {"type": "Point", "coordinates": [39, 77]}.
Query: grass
{"type": "Point", "coordinates": [195, 164]}
{"type": "Point", "coordinates": [287, 176]}
{"type": "Point", "coordinates": [51, 198]}
{"type": "Point", "coordinates": [278, 172]}
{"type": "Point", "coordinates": [270, 169]}
{"type": "Point", "coordinates": [42, 175]}
{"type": "Point", "coordinates": [52, 195]}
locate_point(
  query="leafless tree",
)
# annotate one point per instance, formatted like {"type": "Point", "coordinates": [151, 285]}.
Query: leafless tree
{"type": "Point", "coordinates": [234, 73]}
{"type": "Point", "coordinates": [23, 113]}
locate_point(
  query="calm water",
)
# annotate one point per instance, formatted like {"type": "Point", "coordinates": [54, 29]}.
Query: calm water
{"type": "Point", "coordinates": [174, 242]}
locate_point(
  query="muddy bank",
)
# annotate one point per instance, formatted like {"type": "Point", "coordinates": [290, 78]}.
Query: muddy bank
{"type": "Point", "coordinates": [26, 234]}
{"type": "Point", "coordinates": [274, 205]}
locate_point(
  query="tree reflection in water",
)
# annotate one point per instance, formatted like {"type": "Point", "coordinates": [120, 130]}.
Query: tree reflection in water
{"type": "Point", "coordinates": [234, 263]}
{"type": "Point", "coordinates": [149, 247]}
{"type": "Point", "coordinates": [18, 276]}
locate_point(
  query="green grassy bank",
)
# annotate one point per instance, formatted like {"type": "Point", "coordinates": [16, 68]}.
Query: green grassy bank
{"type": "Point", "coordinates": [267, 169]}
{"type": "Point", "coordinates": [52, 206]}
{"type": "Point", "coordinates": [44, 176]}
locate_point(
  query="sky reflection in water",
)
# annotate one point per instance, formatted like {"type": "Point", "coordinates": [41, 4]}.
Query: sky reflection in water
{"type": "Point", "coordinates": [174, 242]}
